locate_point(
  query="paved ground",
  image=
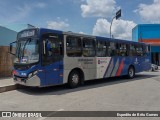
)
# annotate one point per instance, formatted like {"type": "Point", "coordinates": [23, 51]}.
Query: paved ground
{"type": "Point", "coordinates": [116, 94]}
{"type": "Point", "coordinates": [6, 81]}
{"type": "Point", "coordinates": [7, 84]}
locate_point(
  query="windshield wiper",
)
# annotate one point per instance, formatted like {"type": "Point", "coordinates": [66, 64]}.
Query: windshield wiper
{"type": "Point", "coordinates": [21, 53]}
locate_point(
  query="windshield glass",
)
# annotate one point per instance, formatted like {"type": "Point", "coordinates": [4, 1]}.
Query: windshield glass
{"type": "Point", "coordinates": [27, 51]}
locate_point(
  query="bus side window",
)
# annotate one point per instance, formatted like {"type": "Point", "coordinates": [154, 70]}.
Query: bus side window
{"type": "Point", "coordinates": [139, 50]}
{"type": "Point", "coordinates": [53, 47]}
{"type": "Point", "coordinates": [132, 50]}
{"type": "Point", "coordinates": [101, 49]}
{"type": "Point", "coordinates": [123, 49]}
{"type": "Point", "coordinates": [118, 49]}
{"type": "Point", "coordinates": [73, 46]}
{"type": "Point", "coordinates": [89, 49]}
{"type": "Point", "coordinates": [111, 49]}
{"type": "Point", "coordinates": [145, 49]}
{"type": "Point", "coordinates": [127, 49]}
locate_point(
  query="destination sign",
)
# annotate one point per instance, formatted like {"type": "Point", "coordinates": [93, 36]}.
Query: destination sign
{"type": "Point", "coordinates": [27, 33]}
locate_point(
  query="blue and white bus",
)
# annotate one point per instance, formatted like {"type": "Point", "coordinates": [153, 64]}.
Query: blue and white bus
{"type": "Point", "coordinates": [45, 57]}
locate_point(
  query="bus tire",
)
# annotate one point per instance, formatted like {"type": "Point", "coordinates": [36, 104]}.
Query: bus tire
{"type": "Point", "coordinates": [74, 79]}
{"type": "Point", "coordinates": [131, 72]}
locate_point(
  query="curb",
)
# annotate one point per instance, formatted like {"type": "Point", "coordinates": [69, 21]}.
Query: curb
{"type": "Point", "coordinates": [8, 88]}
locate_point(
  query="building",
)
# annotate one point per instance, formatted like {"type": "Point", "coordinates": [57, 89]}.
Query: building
{"type": "Point", "coordinates": [149, 33]}
{"type": "Point", "coordinates": [8, 34]}
{"type": "Point", "coordinates": [18, 27]}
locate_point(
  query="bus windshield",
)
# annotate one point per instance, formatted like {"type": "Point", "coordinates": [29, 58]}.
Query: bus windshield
{"type": "Point", "coordinates": [27, 51]}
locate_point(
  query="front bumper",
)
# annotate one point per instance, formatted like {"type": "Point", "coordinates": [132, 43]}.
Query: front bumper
{"type": "Point", "coordinates": [33, 81]}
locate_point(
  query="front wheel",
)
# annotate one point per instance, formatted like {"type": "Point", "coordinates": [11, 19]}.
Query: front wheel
{"type": "Point", "coordinates": [131, 72]}
{"type": "Point", "coordinates": [74, 79]}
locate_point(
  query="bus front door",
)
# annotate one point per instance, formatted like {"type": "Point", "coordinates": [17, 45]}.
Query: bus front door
{"type": "Point", "coordinates": [52, 59]}
{"type": "Point", "coordinates": [52, 73]}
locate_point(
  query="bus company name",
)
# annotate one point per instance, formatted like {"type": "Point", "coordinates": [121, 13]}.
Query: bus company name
{"type": "Point", "coordinates": [86, 61]}
{"type": "Point", "coordinates": [102, 60]}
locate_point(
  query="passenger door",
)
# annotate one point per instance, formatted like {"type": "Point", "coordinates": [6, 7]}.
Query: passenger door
{"type": "Point", "coordinates": [52, 58]}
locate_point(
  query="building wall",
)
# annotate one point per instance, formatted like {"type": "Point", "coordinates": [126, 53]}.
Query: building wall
{"type": "Point", "coordinates": [5, 62]}
{"type": "Point", "coordinates": [135, 34]}
{"type": "Point", "coordinates": [18, 27]}
{"type": "Point", "coordinates": [7, 36]}
{"type": "Point", "coordinates": [149, 33]}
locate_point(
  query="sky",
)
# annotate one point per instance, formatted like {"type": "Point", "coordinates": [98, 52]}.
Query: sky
{"type": "Point", "coordinates": [91, 17]}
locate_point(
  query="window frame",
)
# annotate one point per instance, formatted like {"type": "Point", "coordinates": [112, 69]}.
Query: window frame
{"type": "Point", "coordinates": [89, 48]}
{"type": "Point", "coordinates": [139, 50]}
{"type": "Point", "coordinates": [47, 60]}
{"type": "Point", "coordinates": [113, 50]}
{"type": "Point", "coordinates": [131, 51]}
{"type": "Point", "coordinates": [74, 47]}
{"type": "Point", "coordinates": [123, 49]}
{"type": "Point", "coordinates": [101, 49]}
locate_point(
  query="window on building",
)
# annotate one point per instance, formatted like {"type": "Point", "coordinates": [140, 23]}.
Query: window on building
{"type": "Point", "coordinates": [74, 46]}
{"type": "Point", "coordinates": [89, 49]}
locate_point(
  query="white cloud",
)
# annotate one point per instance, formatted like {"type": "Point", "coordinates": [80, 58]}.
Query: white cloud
{"type": "Point", "coordinates": [81, 32]}
{"type": "Point", "coordinates": [121, 29]}
{"type": "Point", "coordinates": [58, 25]}
{"type": "Point", "coordinates": [99, 8]}
{"type": "Point", "coordinates": [150, 13]}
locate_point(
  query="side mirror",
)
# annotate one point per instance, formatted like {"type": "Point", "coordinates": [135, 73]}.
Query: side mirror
{"type": "Point", "coordinates": [12, 49]}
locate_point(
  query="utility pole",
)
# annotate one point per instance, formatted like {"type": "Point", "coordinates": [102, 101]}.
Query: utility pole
{"type": "Point", "coordinates": [118, 15]}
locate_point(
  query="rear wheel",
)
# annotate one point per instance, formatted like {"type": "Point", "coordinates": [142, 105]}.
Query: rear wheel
{"type": "Point", "coordinates": [131, 72]}
{"type": "Point", "coordinates": [74, 79]}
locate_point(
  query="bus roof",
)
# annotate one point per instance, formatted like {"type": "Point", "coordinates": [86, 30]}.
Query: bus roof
{"type": "Point", "coordinates": [43, 30]}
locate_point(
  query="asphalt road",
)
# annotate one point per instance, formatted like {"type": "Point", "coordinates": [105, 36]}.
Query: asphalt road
{"type": "Point", "coordinates": [114, 94]}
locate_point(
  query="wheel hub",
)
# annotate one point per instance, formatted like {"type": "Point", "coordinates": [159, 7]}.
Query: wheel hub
{"type": "Point", "coordinates": [131, 72]}
{"type": "Point", "coordinates": [75, 79]}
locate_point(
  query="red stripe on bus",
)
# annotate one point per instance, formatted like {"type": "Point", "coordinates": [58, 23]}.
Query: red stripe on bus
{"type": "Point", "coordinates": [120, 68]}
